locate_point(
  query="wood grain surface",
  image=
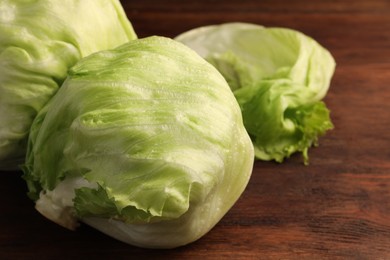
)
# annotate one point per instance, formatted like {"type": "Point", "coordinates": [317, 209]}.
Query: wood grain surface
{"type": "Point", "coordinates": [338, 207]}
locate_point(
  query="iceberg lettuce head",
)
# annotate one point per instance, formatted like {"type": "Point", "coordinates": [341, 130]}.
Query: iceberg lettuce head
{"type": "Point", "coordinates": [39, 41]}
{"type": "Point", "coordinates": [144, 142]}
{"type": "Point", "coordinates": [279, 77]}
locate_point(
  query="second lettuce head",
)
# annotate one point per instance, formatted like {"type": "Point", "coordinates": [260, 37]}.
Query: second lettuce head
{"type": "Point", "coordinates": [279, 77]}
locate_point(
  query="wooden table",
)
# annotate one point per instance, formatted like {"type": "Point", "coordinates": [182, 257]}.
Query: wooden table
{"type": "Point", "coordinates": [338, 207]}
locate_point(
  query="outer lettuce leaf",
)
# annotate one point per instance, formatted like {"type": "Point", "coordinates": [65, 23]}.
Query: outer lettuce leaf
{"type": "Point", "coordinates": [156, 129]}
{"type": "Point", "coordinates": [39, 41]}
{"type": "Point", "coordinates": [278, 76]}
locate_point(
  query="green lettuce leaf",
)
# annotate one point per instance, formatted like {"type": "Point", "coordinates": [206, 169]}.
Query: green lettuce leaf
{"type": "Point", "coordinates": [39, 42]}
{"type": "Point", "coordinates": [279, 77]}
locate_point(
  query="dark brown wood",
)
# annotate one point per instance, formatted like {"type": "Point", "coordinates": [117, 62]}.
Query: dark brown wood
{"type": "Point", "coordinates": [338, 207]}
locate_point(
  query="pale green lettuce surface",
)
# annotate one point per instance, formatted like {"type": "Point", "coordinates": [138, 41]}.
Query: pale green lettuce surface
{"type": "Point", "coordinates": [157, 132]}
{"type": "Point", "coordinates": [279, 77]}
{"type": "Point", "coordinates": [39, 41]}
